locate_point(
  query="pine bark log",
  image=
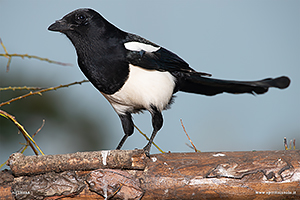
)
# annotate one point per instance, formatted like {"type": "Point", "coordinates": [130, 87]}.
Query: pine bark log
{"type": "Point", "coordinates": [132, 175]}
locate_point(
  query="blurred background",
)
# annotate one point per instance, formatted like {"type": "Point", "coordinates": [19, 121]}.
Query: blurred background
{"type": "Point", "coordinates": [238, 40]}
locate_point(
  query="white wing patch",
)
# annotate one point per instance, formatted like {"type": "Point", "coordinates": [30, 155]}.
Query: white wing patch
{"type": "Point", "coordinates": [137, 46]}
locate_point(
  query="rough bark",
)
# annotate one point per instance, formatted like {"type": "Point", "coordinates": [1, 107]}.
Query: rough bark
{"type": "Point", "coordinates": [132, 175]}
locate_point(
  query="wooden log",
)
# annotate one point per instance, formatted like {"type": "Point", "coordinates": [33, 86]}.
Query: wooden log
{"type": "Point", "coordinates": [80, 161]}
{"type": "Point", "coordinates": [208, 175]}
{"type": "Point", "coordinates": [225, 175]}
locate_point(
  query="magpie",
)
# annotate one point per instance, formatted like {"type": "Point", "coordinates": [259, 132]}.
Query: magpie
{"type": "Point", "coordinates": [134, 74]}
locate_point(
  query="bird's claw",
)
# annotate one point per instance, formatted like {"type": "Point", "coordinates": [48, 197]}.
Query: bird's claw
{"type": "Point", "coordinates": [147, 151]}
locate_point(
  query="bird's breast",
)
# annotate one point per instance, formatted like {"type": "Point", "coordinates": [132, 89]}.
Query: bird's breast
{"type": "Point", "coordinates": [143, 89]}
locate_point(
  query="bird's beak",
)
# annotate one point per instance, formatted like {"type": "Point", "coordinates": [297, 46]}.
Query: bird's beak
{"type": "Point", "coordinates": [59, 25]}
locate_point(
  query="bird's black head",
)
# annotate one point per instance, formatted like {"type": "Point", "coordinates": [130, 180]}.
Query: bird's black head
{"type": "Point", "coordinates": [85, 27]}
{"type": "Point", "coordinates": [76, 21]}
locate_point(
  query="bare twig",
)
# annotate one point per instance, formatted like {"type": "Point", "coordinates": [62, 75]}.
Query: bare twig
{"type": "Point", "coordinates": [291, 145]}
{"type": "Point", "coordinates": [20, 88]}
{"type": "Point", "coordinates": [285, 143]}
{"type": "Point", "coordinates": [26, 145]}
{"type": "Point", "coordinates": [294, 143]}
{"type": "Point", "coordinates": [41, 91]}
{"type": "Point", "coordinates": [4, 48]}
{"type": "Point", "coordinates": [148, 139]}
{"type": "Point", "coordinates": [23, 131]}
{"type": "Point", "coordinates": [196, 150]}
{"type": "Point", "coordinates": [9, 56]}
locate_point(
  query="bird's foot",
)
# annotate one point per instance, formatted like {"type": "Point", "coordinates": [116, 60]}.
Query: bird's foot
{"type": "Point", "coordinates": [147, 150]}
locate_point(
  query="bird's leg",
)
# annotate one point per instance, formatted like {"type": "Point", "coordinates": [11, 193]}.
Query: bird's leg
{"type": "Point", "coordinates": [157, 122]}
{"type": "Point", "coordinates": [122, 142]}
{"type": "Point", "coordinates": [128, 127]}
{"type": "Point", "coordinates": [148, 145]}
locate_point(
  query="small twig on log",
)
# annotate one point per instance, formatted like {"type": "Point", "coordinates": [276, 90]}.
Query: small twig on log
{"type": "Point", "coordinates": [196, 150]}
{"type": "Point", "coordinates": [292, 143]}
{"type": "Point", "coordinates": [285, 144]}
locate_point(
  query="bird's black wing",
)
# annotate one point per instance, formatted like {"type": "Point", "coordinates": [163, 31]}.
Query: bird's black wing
{"type": "Point", "coordinates": [150, 56]}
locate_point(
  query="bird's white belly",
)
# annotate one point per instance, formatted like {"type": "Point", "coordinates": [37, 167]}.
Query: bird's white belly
{"type": "Point", "coordinates": [142, 89]}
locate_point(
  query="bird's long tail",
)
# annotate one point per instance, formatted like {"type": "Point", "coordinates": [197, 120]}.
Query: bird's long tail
{"type": "Point", "coordinates": [195, 83]}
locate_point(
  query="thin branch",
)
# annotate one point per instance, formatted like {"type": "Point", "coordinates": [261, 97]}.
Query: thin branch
{"type": "Point", "coordinates": [23, 131]}
{"type": "Point", "coordinates": [4, 48]}
{"type": "Point", "coordinates": [24, 147]}
{"type": "Point", "coordinates": [20, 88]}
{"type": "Point", "coordinates": [39, 92]}
{"type": "Point", "coordinates": [27, 144]}
{"type": "Point", "coordinates": [148, 139]}
{"type": "Point", "coordinates": [196, 150]}
{"type": "Point", "coordinates": [2, 164]}
{"type": "Point", "coordinates": [19, 126]}
{"type": "Point", "coordinates": [294, 144]}
{"type": "Point", "coordinates": [285, 144]}
{"type": "Point", "coordinates": [9, 57]}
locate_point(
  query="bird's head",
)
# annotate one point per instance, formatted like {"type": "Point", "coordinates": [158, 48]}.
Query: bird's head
{"type": "Point", "coordinates": [81, 23]}
{"type": "Point", "coordinates": [76, 21]}
{"type": "Point", "coordinates": [85, 27]}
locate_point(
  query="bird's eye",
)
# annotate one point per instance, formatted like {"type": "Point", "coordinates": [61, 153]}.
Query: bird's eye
{"type": "Point", "coordinates": [80, 18]}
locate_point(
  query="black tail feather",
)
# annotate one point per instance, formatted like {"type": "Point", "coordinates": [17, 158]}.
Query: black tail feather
{"type": "Point", "coordinates": [194, 83]}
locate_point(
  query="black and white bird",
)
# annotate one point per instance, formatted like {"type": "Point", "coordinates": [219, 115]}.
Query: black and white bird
{"type": "Point", "coordinates": [134, 74]}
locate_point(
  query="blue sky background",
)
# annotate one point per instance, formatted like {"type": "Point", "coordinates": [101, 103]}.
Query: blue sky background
{"type": "Point", "coordinates": [238, 40]}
